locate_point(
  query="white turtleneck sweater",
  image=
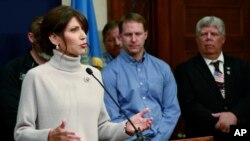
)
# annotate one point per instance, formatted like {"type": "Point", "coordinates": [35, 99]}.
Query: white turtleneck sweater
{"type": "Point", "coordinates": [62, 90]}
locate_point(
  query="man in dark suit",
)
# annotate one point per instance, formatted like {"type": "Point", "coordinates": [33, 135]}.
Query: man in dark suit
{"type": "Point", "coordinates": [213, 97]}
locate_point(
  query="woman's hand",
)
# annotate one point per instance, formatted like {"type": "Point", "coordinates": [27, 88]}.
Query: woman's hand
{"type": "Point", "coordinates": [60, 134]}
{"type": "Point", "coordinates": [139, 121]}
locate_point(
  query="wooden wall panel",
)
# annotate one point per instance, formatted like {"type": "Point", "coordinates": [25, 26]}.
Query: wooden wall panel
{"type": "Point", "coordinates": [246, 25]}
{"type": "Point", "coordinates": [172, 26]}
{"type": "Point", "coordinates": [186, 13]}
{"type": "Point", "coordinates": [157, 14]}
{"type": "Point", "coordinates": [231, 12]}
{"type": "Point", "coordinates": [160, 29]}
{"type": "Point", "coordinates": [213, 2]}
{"type": "Point", "coordinates": [118, 8]}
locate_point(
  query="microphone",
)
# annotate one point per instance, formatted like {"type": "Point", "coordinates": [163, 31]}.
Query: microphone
{"type": "Point", "coordinates": [138, 133]}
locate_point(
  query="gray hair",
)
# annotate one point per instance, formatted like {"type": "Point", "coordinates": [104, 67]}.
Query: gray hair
{"type": "Point", "coordinates": [211, 21]}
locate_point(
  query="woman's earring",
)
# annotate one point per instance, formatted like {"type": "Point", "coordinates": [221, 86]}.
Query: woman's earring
{"type": "Point", "coordinates": [57, 46]}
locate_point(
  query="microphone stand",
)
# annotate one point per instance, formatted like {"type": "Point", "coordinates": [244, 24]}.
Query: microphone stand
{"type": "Point", "coordinates": [138, 133]}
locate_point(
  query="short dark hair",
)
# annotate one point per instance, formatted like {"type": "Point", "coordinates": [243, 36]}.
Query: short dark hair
{"type": "Point", "coordinates": [109, 26]}
{"type": "Point", "coordinates": [36, 26]}
{"type": "Point", "coordinates": [133, 17]}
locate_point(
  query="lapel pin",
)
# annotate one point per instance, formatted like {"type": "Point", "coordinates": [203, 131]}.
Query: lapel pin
{"type": "Point", "coordinates": [86, 79]}
{"type": "Point", "coordinates": [228, 70]}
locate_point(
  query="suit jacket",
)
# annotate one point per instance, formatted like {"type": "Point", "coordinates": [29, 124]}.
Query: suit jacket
{"type": "Point", "coordinates": [199, 95]}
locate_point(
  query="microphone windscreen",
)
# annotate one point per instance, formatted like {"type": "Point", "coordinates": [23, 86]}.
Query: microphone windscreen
{"type": "Point", "coordinates": [89, 71]}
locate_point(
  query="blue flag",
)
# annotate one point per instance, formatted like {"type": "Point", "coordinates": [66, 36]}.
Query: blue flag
{"type": "Point", "coordinates": [94, 57]}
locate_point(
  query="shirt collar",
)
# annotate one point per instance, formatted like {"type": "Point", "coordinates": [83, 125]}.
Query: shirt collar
{"type": "Point", "coordinates": [220, 58]}
{"type": "Point", "coordinates": [130, 59]}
